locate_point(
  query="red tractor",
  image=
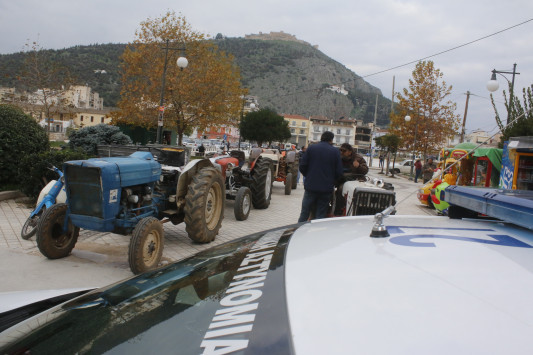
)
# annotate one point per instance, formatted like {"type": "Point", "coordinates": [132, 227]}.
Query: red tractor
{"type": "Point", "coordinates": [251, 186]}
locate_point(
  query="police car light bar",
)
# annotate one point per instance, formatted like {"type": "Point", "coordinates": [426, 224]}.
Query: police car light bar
{"type": "Point", "coordinates": [512, 206]}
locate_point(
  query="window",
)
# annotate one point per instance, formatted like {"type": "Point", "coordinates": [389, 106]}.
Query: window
{"type": "Point", "coordinates": [81, 118]}
{"type": "Point", "coordinates": [292, 130]}
{"type": "Point", "coordinates": [348, 132]}
{"type": "Point", "coordinates": [338, 131]}
{"type": "Point", "coordinates": [337, 139]}
{"type": "Point", "coordinates": [346, 139]}
{"type": "Point", "coordinates": [102, 120]}
{"type": "Point", "coordinates": [316, 129]}
{"type": "Point", "coordinates": [302, 131]}
{"type": "Point", "coordinates": [92, 119]}
{"type": "Point", "coordinates": [293, 123]}
{"type": "Point", "coordinates": [303, 124]}
{"type": "Point", "coordinates": [315, 137]}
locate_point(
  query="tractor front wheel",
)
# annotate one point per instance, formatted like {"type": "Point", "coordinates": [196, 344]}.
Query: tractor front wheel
{"type": "Point", "coordinates": [52, 240]}
{"type": "Point", "coordinates": [204, 207]}
{"type": "Point", "coordinates": [288, 183]}
{"type": "Point", "coordinates": [146, 245]}
{"type": "Point", "coordinates": [294, 171]}
{"type": "Point", "coordinates": [243, 204]}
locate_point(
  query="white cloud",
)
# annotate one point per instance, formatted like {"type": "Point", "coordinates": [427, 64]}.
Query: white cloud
{"type": "Point", "coordinates": [366, 36]}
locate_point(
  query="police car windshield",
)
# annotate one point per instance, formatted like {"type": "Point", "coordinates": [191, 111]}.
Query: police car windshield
{"type": "Point", "coordinates": [177, 304]}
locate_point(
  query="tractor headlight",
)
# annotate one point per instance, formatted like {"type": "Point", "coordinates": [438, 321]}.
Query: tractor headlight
{"type": "Point", "coordinates": [133, 199]}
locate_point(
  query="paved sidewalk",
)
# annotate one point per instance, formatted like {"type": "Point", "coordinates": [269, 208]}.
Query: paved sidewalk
{"type": "Point", "coordinates": [103, 257]}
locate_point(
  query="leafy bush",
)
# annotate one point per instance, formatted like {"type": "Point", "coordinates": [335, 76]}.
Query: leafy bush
{"type": "Point", "coordinates": [38, 174]}
{"type": "Point", "coordinates": [20, 136]}
{"type": "Point", "coordinates": [88, 138]}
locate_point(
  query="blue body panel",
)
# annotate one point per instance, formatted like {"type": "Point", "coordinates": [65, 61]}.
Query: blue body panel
{"type": "Point", "coordinates": [94, 188]}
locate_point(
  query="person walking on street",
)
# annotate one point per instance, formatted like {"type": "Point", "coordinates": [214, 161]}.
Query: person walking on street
{"type": "Point", "coordinates": [354, 167]}
{"type": "Point", "coordinates": [428, 169]}
{"type": "Point", "coordinates": [418, 169]}
{"type": "Point", "coordinates": [381, 160]}
{"type": "Point", "coordinates": [321, 166]}
{"type": "Point", "coordinates": [300, 154]}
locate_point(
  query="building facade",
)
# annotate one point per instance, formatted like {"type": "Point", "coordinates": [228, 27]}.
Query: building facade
{"type": "Point", "coordinates": [299, 127]}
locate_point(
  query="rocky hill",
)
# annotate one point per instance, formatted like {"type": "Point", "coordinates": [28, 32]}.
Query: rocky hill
{"type": "Point", "coordinates": [290, 76]}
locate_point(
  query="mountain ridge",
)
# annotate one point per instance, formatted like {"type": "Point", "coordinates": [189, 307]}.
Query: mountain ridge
{"type": "Point", "coordinates": [291, 77]}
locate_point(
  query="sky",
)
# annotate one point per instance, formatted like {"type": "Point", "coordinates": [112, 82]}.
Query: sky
{"type": "Point", "coordinates": [372, 38]}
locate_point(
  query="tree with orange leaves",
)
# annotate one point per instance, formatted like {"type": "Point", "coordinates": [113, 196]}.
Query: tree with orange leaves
{"type": "Point", "coordinates": [433, 119]}
{"type": "Point", "coordinates": [205, 94]}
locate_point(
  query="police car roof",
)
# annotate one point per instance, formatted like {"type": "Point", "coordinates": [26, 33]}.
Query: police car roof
{"type": "Point", "coordinates": [431, 287]}
{"type": "Point", "coordinates": [434, 285]}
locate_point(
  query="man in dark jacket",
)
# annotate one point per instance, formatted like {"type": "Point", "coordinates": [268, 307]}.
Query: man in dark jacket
{"type": "Point", "coordinates": [321, 165]}
{"type": "Point", "coordinates": [354, 167]}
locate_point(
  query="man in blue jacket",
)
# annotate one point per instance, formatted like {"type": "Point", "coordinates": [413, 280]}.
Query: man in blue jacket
{"type": "Point", "coordinates": [322, 167]}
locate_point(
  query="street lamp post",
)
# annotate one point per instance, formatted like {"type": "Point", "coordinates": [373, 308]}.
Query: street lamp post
{"type": "Point", "coordinates": [407, 119]}
{"type": "Point", "coordinates": [492, 85]}
{"type": "Point", "coordinates": [252, 106]}
{"type": "Point", "coordinates": [182, 62]}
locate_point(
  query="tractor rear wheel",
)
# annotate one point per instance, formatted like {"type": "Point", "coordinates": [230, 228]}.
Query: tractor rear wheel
{"type": "Point", "coordinates": [262, 183]}
{"type": "Point", "coordinates": [146, 245]}
{"type": "Point", "coordinates": [288, 183]}
{"type": "Point", "coordinates": [53, 242]}
{"type": "Point", "coordinates": [243, 203]}
{"type": "Point", "coordinates": [204, 206]}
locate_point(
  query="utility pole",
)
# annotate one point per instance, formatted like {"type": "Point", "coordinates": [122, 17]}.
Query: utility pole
{"type": "Point", "coordinates": [392, 100]}
{"type": "Point", "coordinates": [182, 63]}
{"type": "Point", "coordinates": [373, 131]}
{"type": "Point", "coordinates": [464, 118]}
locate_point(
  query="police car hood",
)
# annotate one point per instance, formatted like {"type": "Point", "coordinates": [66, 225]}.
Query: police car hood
{"type": "Point", "coordinates": [435, 286]}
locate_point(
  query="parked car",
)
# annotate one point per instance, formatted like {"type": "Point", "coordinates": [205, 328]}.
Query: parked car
{"type": "Point", "coordinates": [403, 167]}
{"type": "Point", "coordinates": [363, 284]}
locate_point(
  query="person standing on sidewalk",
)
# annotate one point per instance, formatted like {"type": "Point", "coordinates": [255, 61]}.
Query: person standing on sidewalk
{"type": "Point", "coordinates": [201, 150]}
{"type": "Point", "coordinates": [428, 170]}
{"type": "Point", "coordinates": [300, 154]}
{"type": "Point", "coordinates": [418, 169]}
{"type": "Point", "coordinates": [321, 166]}
{"type": "Point", "coordinates": [354, 168]}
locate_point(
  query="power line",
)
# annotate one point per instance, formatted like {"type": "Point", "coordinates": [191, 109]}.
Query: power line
{"type": "Point", "coordinates": [449, 50]}
{"type": "Point", "coordinates": [413, 61]}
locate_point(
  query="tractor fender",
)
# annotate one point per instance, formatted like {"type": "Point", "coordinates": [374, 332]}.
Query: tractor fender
{"type": "Point", "coordinates": [255, 153]}
{"type": "Point", "coordinates": [189, 171]}
{"type": "Point", "coordinates": [290, 157]}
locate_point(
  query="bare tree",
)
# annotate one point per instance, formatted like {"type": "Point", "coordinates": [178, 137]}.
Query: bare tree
{"type": "Point", "coordinates": [48, 79]}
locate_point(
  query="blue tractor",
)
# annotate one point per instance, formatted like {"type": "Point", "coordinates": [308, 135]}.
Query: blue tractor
{"type": "Point", "coordinates": [134, 195]}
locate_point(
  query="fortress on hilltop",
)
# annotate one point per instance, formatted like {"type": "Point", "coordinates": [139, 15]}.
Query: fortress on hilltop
{"type": "Point", "coordinates": [277, 36]}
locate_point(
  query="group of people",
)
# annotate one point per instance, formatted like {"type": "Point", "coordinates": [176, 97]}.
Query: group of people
{"type": "Point", "coordinates": [425, 171]}
{"type": "Point", "coordinates": [324, 168]}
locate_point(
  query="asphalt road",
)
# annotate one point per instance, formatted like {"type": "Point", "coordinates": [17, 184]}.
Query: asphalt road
{"type": "Point", "coordinates": [101, 258]}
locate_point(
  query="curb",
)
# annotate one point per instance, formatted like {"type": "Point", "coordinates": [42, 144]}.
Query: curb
{"type": "Point", "coordinates": [10, 195]}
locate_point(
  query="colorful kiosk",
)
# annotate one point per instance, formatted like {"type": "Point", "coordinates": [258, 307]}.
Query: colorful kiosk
{"type": "Point", "coordinates": [517, 164]}
{"type": "Point", "coordinates": [479, 167]}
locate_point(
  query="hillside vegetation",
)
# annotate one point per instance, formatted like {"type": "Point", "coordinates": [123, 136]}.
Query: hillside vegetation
{"type": "Point", "coordinates": [289, 77]}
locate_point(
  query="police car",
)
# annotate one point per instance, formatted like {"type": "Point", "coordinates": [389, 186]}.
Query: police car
{"type": "Point", "coordinates": [383, 284]}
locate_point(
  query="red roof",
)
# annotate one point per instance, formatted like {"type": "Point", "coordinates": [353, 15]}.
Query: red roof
{"type": "Point", "coordinates": [295, 116]}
